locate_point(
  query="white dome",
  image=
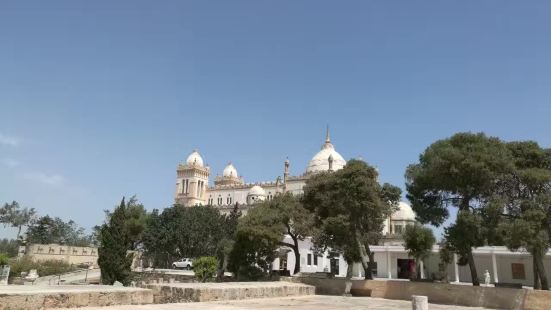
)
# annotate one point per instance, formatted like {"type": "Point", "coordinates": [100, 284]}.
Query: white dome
{"type": "Point", "coordinates": [194, 159]}
{"type": "Point", "coordinates": [230, 171]}
{"type": "Point", "coordinates": [320, 162]}
{"type": "Point", "coordinates": [404, 213]}
{"type": "Point", "coordinates": [257, 191]}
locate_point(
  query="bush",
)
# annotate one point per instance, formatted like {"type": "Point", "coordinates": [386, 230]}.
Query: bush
{"type": "Point", "coordinates": [205, 268]}
{"type": "Point", "coordinates": [4, 259]}
{"type": "Point", "coordinates": [44, 268]}
{"type": "Point", "coordinates": [9, 247]}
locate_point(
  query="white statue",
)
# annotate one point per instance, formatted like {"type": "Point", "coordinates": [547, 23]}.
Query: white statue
{"type": "Point", "coordinates": [487, 277]}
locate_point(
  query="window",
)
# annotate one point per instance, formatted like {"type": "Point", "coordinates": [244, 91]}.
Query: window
{"type": "Point", "coordinates": [315, 260]}
{"type": "Point", "coordinates": [398, 229]}
{"type": "Point", "coordinates": [518, 271]}
{"type": "Point", "coordinates": [309, 259]}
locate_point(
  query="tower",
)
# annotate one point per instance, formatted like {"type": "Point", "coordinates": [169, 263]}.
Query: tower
{"type": "Point", "coordinates": [285, 174]}
{"type": "Point", "coordinates": [192, 180]}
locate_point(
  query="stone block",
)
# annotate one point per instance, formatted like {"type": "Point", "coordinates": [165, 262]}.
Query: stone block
{"type": "Point", "coordinates": [419, 302]}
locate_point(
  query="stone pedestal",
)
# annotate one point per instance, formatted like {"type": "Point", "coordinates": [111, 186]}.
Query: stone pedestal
{"type": "Point", "coordinates": [4, 274]}
{"type": "Point", "coordinates": [419, 302]}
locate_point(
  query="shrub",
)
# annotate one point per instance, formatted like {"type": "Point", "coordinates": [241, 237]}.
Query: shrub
{"type": "Point", "coordinates": [205, 268]}
{"type": "Point", "coordinates": [44, 268]}
{"type": "Point", "coordinates": [4, 259]}
{"type": "Point", "coordinates": [9, 247]}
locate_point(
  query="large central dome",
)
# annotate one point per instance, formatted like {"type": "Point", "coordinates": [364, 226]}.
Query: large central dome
{"type": "Point", "coordinates": [320, 162]}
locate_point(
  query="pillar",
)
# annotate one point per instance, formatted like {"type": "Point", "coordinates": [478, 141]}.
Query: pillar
{"type": "Point", "coordinates": [419, 302]}
{"type": "Point", "coordinates": [456, 267]}
{"type": "Point", "coordinates": [422, 269]}
{"type": "Point", "coordinates": [388, 265]}
{"type": "Point", "coordinates": [494, 266]}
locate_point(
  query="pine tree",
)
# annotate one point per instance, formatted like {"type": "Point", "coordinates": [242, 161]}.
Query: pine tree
{"type": "Point", "coordinates": [114, 259]}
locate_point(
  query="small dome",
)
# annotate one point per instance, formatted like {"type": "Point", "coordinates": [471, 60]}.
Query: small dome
{"type": "Point", "coordinates": [194, 159]}
{"type": "Point", "coordinates": [230, 171]}
{"type": "Point", "coordinates": [257, 191]}
{"type": "Point", "coordinates": [404, 213]}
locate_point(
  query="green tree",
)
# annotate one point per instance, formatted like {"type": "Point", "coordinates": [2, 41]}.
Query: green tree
{"type": "Point", "coordinates": [462, 171]}
{"type": "Point", "coordinates": [114, 260]}
{"type": "Point", "coordinates": [205, 268]}
{"type": "Point", "coordinates": [350, 207]}
{"type": "Point", "coordinates": [136, 221]}
{"type": "Point", "coordinates": [9, 246]}
{"type": "Point", "coordinates": [13, 215]}
{"type": "Point", "coordinates": [418, 241]}
{"type": "Point", "coordinates": [280, 217]}
{"type": "Point", "coordinates": [527, 192]}
{"type": "Point", "coordinates": [183, 232]}
{"type": "Point", "coordinates": [225, 246]}
{"type": "Point", "coordinates": [47, 230]}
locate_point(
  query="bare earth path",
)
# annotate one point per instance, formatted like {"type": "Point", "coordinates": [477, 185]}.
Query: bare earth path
{"type": "Point", "coordinates": [317, 302]}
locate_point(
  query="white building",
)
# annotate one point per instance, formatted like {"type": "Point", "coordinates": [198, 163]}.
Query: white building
{"type": "Point", "coordinates": [192, 188]}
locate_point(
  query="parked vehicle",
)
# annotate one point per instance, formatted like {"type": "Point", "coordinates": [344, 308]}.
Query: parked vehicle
{"type": "Point", "coordinates": [184, 263]}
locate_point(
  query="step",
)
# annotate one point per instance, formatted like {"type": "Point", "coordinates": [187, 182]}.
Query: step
{"type": "Point", "coordinates": [199, 292]}
{"type": "Point", "coordinates": [31, 297]}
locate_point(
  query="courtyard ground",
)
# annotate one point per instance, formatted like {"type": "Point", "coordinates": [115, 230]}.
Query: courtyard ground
{"type": "Point", "coordinates": [317, 302]}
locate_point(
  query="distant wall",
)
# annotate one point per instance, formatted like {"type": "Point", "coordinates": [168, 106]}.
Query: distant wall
{"type": "Point", "coordinates": [439, 293]}
{"type": "Point", "coordinates": [69, 254]}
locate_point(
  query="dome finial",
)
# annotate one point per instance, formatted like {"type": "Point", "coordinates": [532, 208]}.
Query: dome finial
{"type": "Point", "coordinates": [327, 137]}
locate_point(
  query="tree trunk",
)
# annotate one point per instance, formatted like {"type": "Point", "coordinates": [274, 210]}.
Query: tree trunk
{"type": "Point", "coordinates": [297, 259]}
{"type": "Point", "coordinates": [541, 271]}
{"type": "Point", "coordinates": [222, 269]}
{"type": "Point", "coordinates": [349, 270]}
{"type": "Point", "coordinates": [295, 249]}
{"type": "Point", "coordinates": [368, 273]}
{"type": "Point", "coordinates": [363, 254]}
{"type": "Point", "coordinates": [418, 268]}
{"type": "Point", "coordinates": [472, 266]}
{"type": "Point", "coordinates": [537, 283]}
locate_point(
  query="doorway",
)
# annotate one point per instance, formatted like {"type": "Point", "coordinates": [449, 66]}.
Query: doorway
{"type": "Point", "coordinates": [404, 268]}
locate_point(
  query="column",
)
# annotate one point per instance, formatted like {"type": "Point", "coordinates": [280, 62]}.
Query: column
{"type": "Point", "coordinates": [494, 266]}
{"type": "Point", "coordinates": [422, 269]}
{"type": "Point", "coordinates": [456, 267]}
{"type": "Point", "coordinates": [388, 265]}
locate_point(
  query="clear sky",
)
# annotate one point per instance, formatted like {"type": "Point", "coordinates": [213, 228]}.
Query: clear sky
{"type": "Point", "coordinates": [100, 99]}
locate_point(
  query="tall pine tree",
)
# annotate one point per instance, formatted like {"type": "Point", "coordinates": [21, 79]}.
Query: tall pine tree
{"type": "Point", "coordinates": [114, 259]}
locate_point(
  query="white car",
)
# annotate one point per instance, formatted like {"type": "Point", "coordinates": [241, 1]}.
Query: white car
{"type": "Point", "coordinates": [184, 263]}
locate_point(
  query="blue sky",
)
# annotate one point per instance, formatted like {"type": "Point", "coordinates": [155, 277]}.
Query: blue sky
{"type": "Point", "coordinates": [100, 99]}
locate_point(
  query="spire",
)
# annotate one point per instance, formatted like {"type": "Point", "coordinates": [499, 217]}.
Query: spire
{"type": "Point", "coordinates": [327, 137]}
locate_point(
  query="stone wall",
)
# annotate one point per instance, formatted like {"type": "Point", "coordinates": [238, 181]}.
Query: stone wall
{"type": "Point", "coordinates": [70, 254]}
{"type": "Point", "coordinates": [439, 293]}
{"type": "Point", "coordinates": [45, 297]}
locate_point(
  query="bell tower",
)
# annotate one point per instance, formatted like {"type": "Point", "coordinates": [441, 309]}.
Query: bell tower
{"type": "Point", "coordinates": [192, 179]}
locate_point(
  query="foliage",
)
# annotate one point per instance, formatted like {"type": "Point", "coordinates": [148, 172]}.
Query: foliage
{"type": "Point", "coordinates": [256, 242]}
{"type": "Point", "coordinates": [251, 256]}
{"type": "Point", "coordinates": [418, 241]}
{"type": "Point", "coordinates": [225, 246]}
{"type": "Point", "coordinates": [275, 219]}
{"type": "Point", "coordinates": [9, 246]}
{"type": "Point", "coordinates": [114, 260]}
{"type": "Point", "coordinates": [350, 208]}
{"type": "Point", "coordinates": [135, 222]}
{"type": "Point", "coordinates": [205, 268]}
{"type": "Point", "coordinates": [527, 192]}
{"type": "Point", "coordinates": [48, 230]}
{"type": "Point", "coordinates": [183, 232]}
{"type": "Point", "coordinates": [463, 171]}
{"type": "Point", "coordinates": [13, 215]}
{"type": "Point", "coordinates": [43, 267]}
{"type": "Point", "coordinates": [4, 259]}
